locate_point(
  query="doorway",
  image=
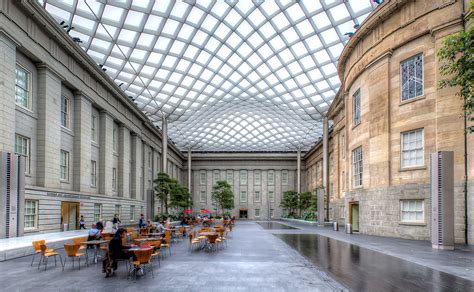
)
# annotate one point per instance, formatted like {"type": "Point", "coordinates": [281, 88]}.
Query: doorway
{"type": "Point", "coordinates": [243, 214]}
{"type": "Point", "coordinates": [69, 216]}
{"type": "Point", "coordinates": [354, 216]}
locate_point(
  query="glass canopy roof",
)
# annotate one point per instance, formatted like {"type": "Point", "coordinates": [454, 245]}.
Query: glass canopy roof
{"type": "Point", "coordinates": [248, 75]}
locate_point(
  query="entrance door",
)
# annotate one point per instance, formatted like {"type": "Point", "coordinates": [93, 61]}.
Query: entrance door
{"type": "Point", "coordinates": [243, 214]}
{"type": "Point", "coordinates": [354, 216]}
{"type": "Point", "coordinates": [69, 215]}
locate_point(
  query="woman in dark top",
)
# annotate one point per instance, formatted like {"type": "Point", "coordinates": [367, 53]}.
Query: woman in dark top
{"type": "Point", "coordinates": [116, 251]}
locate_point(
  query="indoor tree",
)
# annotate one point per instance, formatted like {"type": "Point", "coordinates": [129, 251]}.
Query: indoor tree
{"type": "Point", "coordinates": [222, 196]}
{"type": "Point", "coordinates": [162, 189]}
{"type": "Point", "coordinates": [290, 202]}
{"type": "Point", "coordinates": [179, 196]}
{"type": "Point", "coordinates": [304, 201]}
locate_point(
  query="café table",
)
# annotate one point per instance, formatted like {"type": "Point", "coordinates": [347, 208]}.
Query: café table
{"type": "Point", "coordinates": [96, 244]}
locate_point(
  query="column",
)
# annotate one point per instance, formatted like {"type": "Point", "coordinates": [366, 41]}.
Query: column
{"type": "Point", "coordinates": [49, 138]}
{"type": "Point", "coordinates": [136, 149]}
{"type": "Point", "coordinates": [189, 169]}
{"type": "Point", "coordinates": [106, 156]}
{"type": "Point", "coordinates": [123, 161]}
{"type": "Point", "coordinates": [164, 140]}
{"type": "Point", "coordinates": [298, 170]}
{"type": "Point", "coordinates": [82, 143]}
{"type": "Point", "coordinates": [7, 93]}
{"type": "Point", "coordinates": [321, 194]}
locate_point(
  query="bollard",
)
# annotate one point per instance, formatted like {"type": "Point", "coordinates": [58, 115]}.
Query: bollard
{"type": "Point", "coordinates": [335, 226]}
{"type": "Point", "coordinates": [348, 228]}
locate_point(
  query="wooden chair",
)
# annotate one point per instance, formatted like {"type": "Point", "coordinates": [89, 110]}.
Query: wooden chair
{"type": "Point", "coordinates": [37, 246]}
{"type": "Point", "coordinates": [193, 241]}
{"type": "Point", "coordinates": [167, 240]}
{"type": "Point", "coordinates": [130, 229]}
{"type": "Point", "coordinates": [222, 238]}
{"type": "Point", "coordinates": [180, 233]}
{"type": "Point", "coordinates": [213, 240]}
{"type": "Point", "coordinates": [78, 240]}
{"type": "Point", "coordinates": [143, 259]}
{"type": "Point", "coordinates": [156, 244]}
{"type": "Point", "coordinates": [46, 254]}
{"type": "Point", "coordinates": [72, 252]}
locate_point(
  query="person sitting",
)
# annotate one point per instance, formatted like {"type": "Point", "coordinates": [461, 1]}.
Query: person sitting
{"type": "Point", "coordinates": [141, 222]}
{"type": "Point", "coordinates": [116, 252]}
{"type": "Point", "coordinates": [94, 233]}
{"type": "Point", "coordinates": [160, 228]}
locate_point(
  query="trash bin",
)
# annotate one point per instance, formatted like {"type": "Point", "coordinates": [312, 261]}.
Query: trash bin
{"type": "Point", "coordinates": [348, 228]}
{"type": "Point", "coordinates": [335, 226]}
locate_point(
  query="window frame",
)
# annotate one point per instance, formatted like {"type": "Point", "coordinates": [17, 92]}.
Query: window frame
{"type": "Point", "coordinates": [356, 108]}
{"type": "Point", "coordinates": [402, 150]}
{"type": "Point", "coordinates": [215, 176]}
{"type": "Point", "coordinates": [94, 137]}
{"type": "Point", "coordinates": [29, 106]}
{"type": "Point", "coordinates": [361, 168]}
{"type": "Point", "coordinates": [114, 178]}
{"type": "Point", "coordinates": [64, 166]}
{"type": "Point", "coordinates": [201, 198]}
{"type": "Point", "coordinates": [230, 174]}
{"type": "Point", "coordinates": [422, 210]}
{"type": "Point", "coordinates": [272, 182]}
{"type": "Point", "coordinates": [132, 212]}
{"type": "Point", "coordinates": [66, 113]}
{"type": "Point", "coordinates": [271, 198]}
{"type": "Point", "coordinates": [96, 219]}
{"type": "Point", "coordinates": [93, 173]}
{"type": "Point", "coordinates": [259, 196]}
{"type": "Point", "coordinates": [257, 173]}
{"type": "Point", "coordinates": [284, 177]}
{"type": "Point", "coordinates": [246, 197]}
{"type": "Point", "coordinates": [202, 178]}
{"type": "Point", "coordinates": [114, 140]}
{"type": "Point", "coordinates": [257, 212]}
{"type": "Point", "coordinates": [28, 151]}
{"type": "Point", "coordinates": [118, 209]}
{"type": "Point", "coordinates": [405, 61]}
{"type": "Point", "coordinates": [35, 215]}
{"type": "Point", "coordinates": [243, 174]}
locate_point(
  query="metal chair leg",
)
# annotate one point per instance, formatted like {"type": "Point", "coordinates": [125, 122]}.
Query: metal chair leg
{"type": "Point", "coordinates": [64, 264]}
{"type": "Point", "coordinates": [33, 259]}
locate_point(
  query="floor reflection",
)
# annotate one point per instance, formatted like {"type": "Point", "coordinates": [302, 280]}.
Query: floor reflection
{"type": "Point", "coordinates": [362, 269]}
{"type": "Point", "coordinates": [274, 225]}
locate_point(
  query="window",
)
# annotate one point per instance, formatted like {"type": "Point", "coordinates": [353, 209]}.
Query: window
{"type": "Point", "coordinates": [65, 111]}
{"type": "Point", "coordinates": [132, 212]}
{"type": "Point", "coordinates": [356, 109]}
{"type": "Point", "coordinates": [215, 176]}
{"type": "Point", "coordinates": [257, 196]}
{"type": "Point", "coordinates": [94, 128]}
{"type": "Point", "coordinates": [202, 196]}
{"type": "Point", "coordinates": [114, 178]}
{"type": "Point", "coordinates": [243, 177]}
{"type": "Point", "coordinates": [22, 87]}
{"type": "Point", "coordinates": [271, 213]}
{"type": "Point", "coordinates": [284, 177]}
{"type": "Point", "coordinates": [93, 173]}
{"type": "Point", "coordinates": [114, 139]}
{"type": "Point", "coordinates": [118, 208]}
{"type": "Point", "coordinates": [412, 211]}
{"type": "Point", "coordinates": [22, 147]}
{"type": "Point", "coordinates": [97, 212]}
{"type": "Point", "coordinates": [64, 165]}
{"type": "Point", "coordinates": [229, 176]}
{"type": "Point", "coordinates": [243, 196]}
{"type": "Point", "coordinates": [257, 212]}
{"type": "Point", "coordinates": [411, 73]}
{"type": "Point", "coordinates": [202, 178]}
{"type": "Point", "coordinates": [412, 148]}
{"type": "Point", "coordinates": [342, 211]}
{"type": "Point", "coordinates": [271, 196]}
{"type": "Point", "coordinates": [271, 177]}
{"type": "Point", "coordinates": [31, 214]}
{"type": "Point", "coordinates": [357, 168]}
{"type": "Point", "coordinates": [257, 177]}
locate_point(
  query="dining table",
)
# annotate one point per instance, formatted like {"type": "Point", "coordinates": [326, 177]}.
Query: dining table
{"type": "Point", "coordinates": [96, 243]}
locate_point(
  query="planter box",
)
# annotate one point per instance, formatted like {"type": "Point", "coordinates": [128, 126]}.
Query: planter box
{"type": "Point", "coordinates": [300, 221]}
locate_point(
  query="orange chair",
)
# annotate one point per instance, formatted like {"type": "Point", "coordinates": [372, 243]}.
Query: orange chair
{"type": "Point", "coordinates": [46, 254]}
{"type": "Point", "coordinates": [213, 240]}
{"type": "Point", "coordinates": [221, 237]}
{"type": "Point", "coordinates": [78, 240]}
{"type": "Point", "coordinates": [143, 259]}
{"type": "Point", "coordinates": [37, 246]}
{"type": "Point", "coordinates": [167, 240]}
{"type": "Point", "coordinates": [193, 241]}
{"type": "Point", "coordinates": [156, 244]}
{"type": "Point", "coordinates": [72, 252]}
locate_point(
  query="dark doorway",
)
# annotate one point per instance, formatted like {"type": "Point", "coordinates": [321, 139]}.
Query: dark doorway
{"type": "Point", "coordinates": [243, 214]}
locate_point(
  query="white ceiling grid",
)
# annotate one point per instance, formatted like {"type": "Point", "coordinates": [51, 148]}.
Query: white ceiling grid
{"type": "Point", "coordinates": [228, 75]}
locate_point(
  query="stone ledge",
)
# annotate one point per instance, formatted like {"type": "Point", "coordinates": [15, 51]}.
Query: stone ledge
{"type": "Point", "coordinates": [300, 221]}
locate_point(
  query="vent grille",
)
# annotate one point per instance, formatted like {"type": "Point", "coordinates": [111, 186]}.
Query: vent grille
{"type": "Point", "coordinates": [8, 188]}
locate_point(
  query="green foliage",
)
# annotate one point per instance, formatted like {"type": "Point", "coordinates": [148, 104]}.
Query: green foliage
{"type": "Point", "coordinates": [290, 202]}
{"type": "Point", "coordinates": [457, 57]}
{"type": "Point", "coordinates": [163, 189]}
{"type": "Point", "coordinates": [309, 216]}
{"type": "Point", "coordinates": [304, 202]}
{"type": "Point", "coordinates": [179, 196]}
{"type": "Point", "coordinates": [222, 195]}
{"type": "Point", "coordinates": [165, 216]}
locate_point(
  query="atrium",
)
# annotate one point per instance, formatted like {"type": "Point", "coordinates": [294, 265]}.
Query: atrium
{"type": "Point", "coordinates": [236, 145]}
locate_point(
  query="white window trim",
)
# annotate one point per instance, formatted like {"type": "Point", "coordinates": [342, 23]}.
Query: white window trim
{"type": "Point", "coordinates": [114, 178]}
{"type": "Point", "coordinates": [354, 185]}
{"type": "Point", "coordinates": [93, 173]}
{"type": "Point", "coordinates": [422, 221]}
{"type": "Point", "coordinates": [35, 226]}
{"type": "Point", "coordinates": [246, 197]}
{"type": "Point", "coordinates": [422, 78]}
{"type": "Point", "coordinates": [201, 198]}
{"type": "Point", "coordinates": [132, 212]}
{"type": "Point", "coordinates": [358, 94]}
{"type": "Point", "coordinates": [30, 93]}
{"type": "Point", "coordinates": [202, 178]}
{"type": "Point", "coordinates": [259, 182]}
{"type": "Point", "coordinates": [272, 182]}
{"type": "Point", "coordinates": [100, 211]}
{"type": "Point", "coordinates": [243, 174]}
{"type": "Point", "coordinates": [67, 164]}
{"type": "Point", "coordinates": [272, 198]}
{"type": "Point", "coordinates": [259, 196]}
{"type": "Point", "coordinates": [94, 128]}
{"type": "Point", "coordinates": [284, 174]}
{"type": "Point", "coordinates": [257, 215]}
{"type": "Point", "coordinates": [68, 112]}
{"type": "Point", "coordinates": [422, 149]}
{"type": "Point", "coordinates": [28, 152]}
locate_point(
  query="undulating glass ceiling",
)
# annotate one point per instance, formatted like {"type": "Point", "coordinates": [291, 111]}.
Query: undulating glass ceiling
{"type": "Point", "coordinates": [248, 75]}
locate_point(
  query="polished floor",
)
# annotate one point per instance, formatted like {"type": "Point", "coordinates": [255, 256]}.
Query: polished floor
{"type": "Point", "coordinates": [254, 260]}
{"type": "Point", "coordinates": [274, 225]}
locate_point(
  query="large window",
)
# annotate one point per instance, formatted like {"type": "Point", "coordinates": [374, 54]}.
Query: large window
{"type": "Point", "coordinates": [202, 178]}
{"type": "Point", "coordinates": [257, 212]}
{"type": "Point", "coordinates": [114, 178]}
{"type": "Point", "coordinates": [284, 177]}
{"type": "Point", "coordinates": [243, 196]}
{"type": "Point", "coordinates": [118, 209]}
{"type": "Point", "coordinates": [411, 73]}
{"type": "Point", "coordinates": [243, 177]}
{"type": "Point", "coordinates": [271, 196]}
{"type": "Point", "coordinates": [229, 177]}
{"type": "Point", "coordinates": [257, 177]}
{"type": "Point", "coordinates": [357, 167]}
{"type": "Point", "coordinates": [271, 177]}
{"type": "Point", "coordinates": [412, 148]}
{"type": "Point", "coordinates": [202, 196]}
{"type": "Point", "coordinates": [22, 147]}
{"type": "Point", "coordinates": [356, 108]}
{"type": "Point", "coordinates": [94, 128]}
{"type": "Point", "coordinates": [97, 212]}
{"type": "Point", "coordinates": [31, 214]}
{"type": "Point", "coordinates": [412, 211]}
{"type": "Point", "coordinates": [64, 165]}
{"type": "Point", "coordinates": [65, 111]}
{"type": "Point", "coordinates": [132, 212]}
{"type": "Point", "coordinates": [257, 196]}
{"type": "Point", "coordinates": [215, 177]}
{"type": "Point", "coordinates": [93, 173]}
{"type": "Point", "coordinates": [22, 87]}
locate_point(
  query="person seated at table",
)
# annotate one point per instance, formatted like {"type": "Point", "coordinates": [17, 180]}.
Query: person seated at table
{"type": "Point", "coordinates": [116, 251]}
{"type": "Point", "coordinates": [149, 225]}
{"type": "Point", "coordinates": [94, 234]}
{"type": "Point", "coordinates": [141, 222]}
{"type": "Point", "coordinates": [160, 228]}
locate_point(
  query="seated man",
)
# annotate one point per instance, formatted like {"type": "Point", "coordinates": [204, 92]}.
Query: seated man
{"type": "Point", "coordinates": [160, 228]}
{"type": "Point", "coordinates": [116, 251]}
{"type": "Point", "coordinates": [94, 233]}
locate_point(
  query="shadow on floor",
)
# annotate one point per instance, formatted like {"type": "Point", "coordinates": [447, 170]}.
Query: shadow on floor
{"type": "Point", "coordinates": [362, 269]}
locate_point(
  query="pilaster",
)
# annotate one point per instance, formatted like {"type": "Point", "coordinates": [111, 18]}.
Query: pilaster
{"type": "Point", "coordinates": [106, 158]}
{"type": "Point", "coordinates": [123, 162]}
{"type": "Point", "coordinates": [7, 93]}
{"type": "Point", "coordinates": [82, 143]}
